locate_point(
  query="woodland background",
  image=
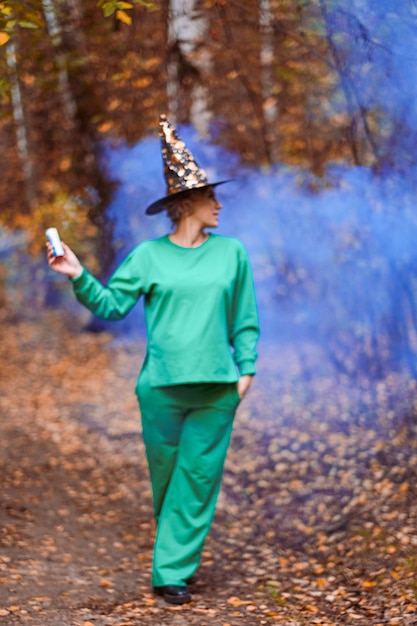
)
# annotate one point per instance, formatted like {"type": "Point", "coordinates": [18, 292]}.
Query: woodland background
{"type": "Point", "coordinates": [299, 86]}
{"type": "Point", "coordinates": [272, 78]}
{"type": "Point", "coordinates": [273, 81]}
{"type": "Point", "coordinates": [310, 106]}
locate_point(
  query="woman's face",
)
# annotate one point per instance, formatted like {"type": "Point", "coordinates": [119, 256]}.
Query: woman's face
{"type": "Point", "coordinates": [205, 208]}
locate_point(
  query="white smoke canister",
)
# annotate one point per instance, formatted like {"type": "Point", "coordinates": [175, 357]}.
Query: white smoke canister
{"type": "Point", "coordinates": [52, 236]}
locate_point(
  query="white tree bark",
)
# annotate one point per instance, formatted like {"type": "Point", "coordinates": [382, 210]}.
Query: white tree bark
{"type": "Point", "coordinates": [20, 123]}
{"type": "Point", "coordinates": [270, 108]}
{"type": "Point", "coordinates": [187, 28]}
{"type": "Point", "coordinates": [55, 33]}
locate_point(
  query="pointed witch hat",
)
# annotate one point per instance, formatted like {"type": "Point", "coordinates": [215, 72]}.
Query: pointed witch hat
{"type": "Point", "coordinates": [181, 171]}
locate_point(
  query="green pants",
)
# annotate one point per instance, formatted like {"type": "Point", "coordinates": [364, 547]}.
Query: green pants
{"type": "Point", "coordinates": [186, 430]}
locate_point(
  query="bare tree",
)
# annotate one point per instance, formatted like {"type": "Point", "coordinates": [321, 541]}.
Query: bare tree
{"type": "Point", "coordinates": [356, 108]}
{"type": "Point", "coordinates": [189, 61]}
{"type": "Point", "coordinates": [20, 123]}
{"type": "Point", "coordinates": [270, 105]}
{"type": "Point", "coordinates": [55, 34]}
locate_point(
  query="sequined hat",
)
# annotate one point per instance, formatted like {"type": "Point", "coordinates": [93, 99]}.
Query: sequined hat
{"type": "Point", "coordinates": [180, 169]}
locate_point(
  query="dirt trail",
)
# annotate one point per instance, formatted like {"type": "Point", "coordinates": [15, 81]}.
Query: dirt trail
{"type": "Point", "coordinates": [309, 530]}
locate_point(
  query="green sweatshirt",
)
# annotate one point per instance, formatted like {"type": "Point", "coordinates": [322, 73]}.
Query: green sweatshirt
{"type": "Point", "coordinates": [200, 308]}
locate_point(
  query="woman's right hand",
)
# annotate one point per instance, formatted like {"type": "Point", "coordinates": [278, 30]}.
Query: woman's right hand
{"type": "Point", "coordinates": [69, 265]}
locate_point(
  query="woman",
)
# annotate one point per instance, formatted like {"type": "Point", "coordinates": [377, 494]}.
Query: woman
{"type": "Point", "coordinates": [199, 303]}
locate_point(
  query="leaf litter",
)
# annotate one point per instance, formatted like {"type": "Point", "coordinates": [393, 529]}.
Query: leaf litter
{"type": "Point", "coordinates": [316, 520]}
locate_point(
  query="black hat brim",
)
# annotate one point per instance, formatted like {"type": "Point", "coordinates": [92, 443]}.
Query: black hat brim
{"type": "Point", "coordinates": [160, 205]}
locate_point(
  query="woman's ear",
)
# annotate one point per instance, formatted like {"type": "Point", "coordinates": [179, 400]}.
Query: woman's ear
{"type": "Point", "coordinates": [187, 207]}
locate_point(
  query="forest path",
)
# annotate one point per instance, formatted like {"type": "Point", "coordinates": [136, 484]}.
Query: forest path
{"type": "Point", "coordinates": [308, 530]}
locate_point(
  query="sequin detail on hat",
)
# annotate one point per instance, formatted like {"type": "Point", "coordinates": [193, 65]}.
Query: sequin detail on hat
{"type": "Point", "coordinates": [181, 171]}
{"type": "Point", "coordinates": [180, 168]}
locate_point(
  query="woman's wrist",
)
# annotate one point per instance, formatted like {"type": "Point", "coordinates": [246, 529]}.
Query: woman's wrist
{"type": "Point", "coordinates": [76, 273]}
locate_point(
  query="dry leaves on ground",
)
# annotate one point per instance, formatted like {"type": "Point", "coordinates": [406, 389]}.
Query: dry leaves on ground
{"type": "Point", "coordinates": [316, 521]}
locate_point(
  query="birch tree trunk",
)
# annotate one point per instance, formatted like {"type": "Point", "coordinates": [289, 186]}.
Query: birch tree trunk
{"type": "Point", "coordinates": [20, 123]}
{"type": "Point", "coordinates": [188, 63]}
{"type": "Point", "coordinates": [269, 105]}
{"type": "Point", "coordinates": [55, 33]}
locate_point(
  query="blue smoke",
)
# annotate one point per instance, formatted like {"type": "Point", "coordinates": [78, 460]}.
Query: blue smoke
{"type": "Point", "coordinates": [334, 264]}
{"type": "Point", "coordinates": [373, 49]}
{"type": "Point", "coordinates": [334, 258]}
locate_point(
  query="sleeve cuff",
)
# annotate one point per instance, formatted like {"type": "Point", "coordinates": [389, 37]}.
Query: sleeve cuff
{"type": "Point", "coordinates": [247, 368]}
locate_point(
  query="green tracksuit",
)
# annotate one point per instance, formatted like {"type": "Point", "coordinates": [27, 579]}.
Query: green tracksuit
{"type": "Point", "coordinates": [202, 327]}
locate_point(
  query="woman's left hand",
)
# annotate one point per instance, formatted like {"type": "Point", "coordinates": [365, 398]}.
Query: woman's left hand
{"type": "Point", "coordinates": [243, 385]}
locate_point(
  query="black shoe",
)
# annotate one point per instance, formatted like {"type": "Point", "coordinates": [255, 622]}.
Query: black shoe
{"type": "Point", "coordinates": [174, 594]}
